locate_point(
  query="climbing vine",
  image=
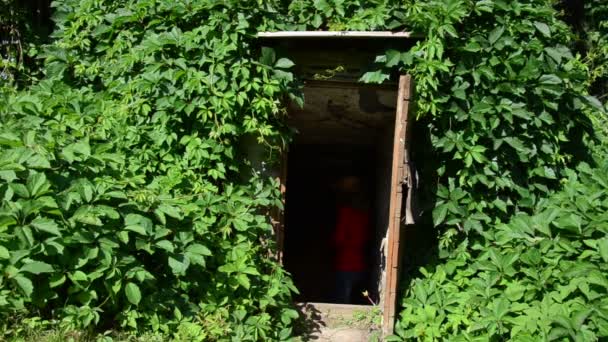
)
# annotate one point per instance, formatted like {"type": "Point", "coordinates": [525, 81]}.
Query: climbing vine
{"type": "Point", "coordinates": [510, 117]}
{"type": "Point", "coordinates": [128, 200]}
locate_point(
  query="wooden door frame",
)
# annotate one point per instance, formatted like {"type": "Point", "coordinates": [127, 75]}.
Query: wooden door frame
{"type": "Point", "coordinates": [399, 176]}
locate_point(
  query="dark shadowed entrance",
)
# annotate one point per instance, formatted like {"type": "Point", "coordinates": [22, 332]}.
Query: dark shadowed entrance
{"type": "Point", "coordinates": [345, 127]}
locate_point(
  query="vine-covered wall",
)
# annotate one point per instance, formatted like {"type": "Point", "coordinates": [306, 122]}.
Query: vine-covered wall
{"type": "Point", "coordinates": [124, 203]}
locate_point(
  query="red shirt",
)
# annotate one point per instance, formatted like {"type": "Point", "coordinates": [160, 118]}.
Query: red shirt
{"type": "Point", "coordinates": [350, 239]}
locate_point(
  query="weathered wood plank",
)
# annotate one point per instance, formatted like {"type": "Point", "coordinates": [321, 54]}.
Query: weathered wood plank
{"type": "Point", "coordinates": [394, 231]}
{"type": "Point", "coordinates": [335, 34]}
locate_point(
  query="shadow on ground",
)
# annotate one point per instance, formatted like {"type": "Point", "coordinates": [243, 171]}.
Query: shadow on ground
{"type": "Point", "coordinates": [311, 322]}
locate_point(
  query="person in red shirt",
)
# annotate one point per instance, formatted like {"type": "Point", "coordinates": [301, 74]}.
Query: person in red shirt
{"type": "Point", "coordinates": [351, 237]}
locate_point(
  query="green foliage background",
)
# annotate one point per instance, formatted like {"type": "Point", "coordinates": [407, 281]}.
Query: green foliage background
{"type": "Point", "coordinates": [124, 202]}
{"type": "Point", "coordinates": [514, 119]}
{"type": "Point", "coordinates": [128, 202]}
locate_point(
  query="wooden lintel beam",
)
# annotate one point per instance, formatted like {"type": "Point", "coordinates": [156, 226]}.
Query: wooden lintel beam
{"type": "Point", "coordinates": [336, 34]}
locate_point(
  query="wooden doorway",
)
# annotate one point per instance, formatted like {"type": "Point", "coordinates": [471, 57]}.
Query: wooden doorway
{"type": "Point", "coordinates": [366, 133]}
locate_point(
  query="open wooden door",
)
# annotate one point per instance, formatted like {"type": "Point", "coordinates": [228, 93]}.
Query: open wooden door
{"type": "Point", "coordinates": [397, 213]}
{"type": "Point", "coordinates": [399, 178]}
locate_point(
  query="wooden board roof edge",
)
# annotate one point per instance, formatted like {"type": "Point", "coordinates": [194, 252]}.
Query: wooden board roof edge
{"type": "Point", "coordinates": [336, 34]}
{"type": "Point", "coordinates": [386, 85]}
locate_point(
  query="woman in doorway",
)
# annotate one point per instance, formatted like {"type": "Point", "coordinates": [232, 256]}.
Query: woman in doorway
{"type": "Point", "coordinates": [351, 236]}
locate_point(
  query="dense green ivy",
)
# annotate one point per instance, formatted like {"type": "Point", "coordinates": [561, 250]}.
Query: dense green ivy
{"type": "Point", "coordinates": [128, 202]}
{"type": "Point", "coordinates": [510, 116]}
{"type": "Point", "coordinates": [506, 99]}
{"type": "Point", "coordinates": [538, 277]}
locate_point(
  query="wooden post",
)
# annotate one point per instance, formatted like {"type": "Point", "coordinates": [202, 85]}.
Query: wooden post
{"type": "Point", "coordinates": [398, 174]}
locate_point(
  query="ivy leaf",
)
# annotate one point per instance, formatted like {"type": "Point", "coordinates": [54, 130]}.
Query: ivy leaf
{"type": "Point", "coordinates": [496, 34]}
{"type": "Point", "coordinates": [571, 222]}
{"type": "Point", "coordinates": [514, 291]}
{"type": "Point", "coordinates": [268, 56]}
{"type": "Point", "coordinates": [199, 249]}
{"type": "Point", "coordinates": [439, 214]}
{"type": "Point", "coordinates": [37, 184]}
{"type": "Point", "coordinates": [138, 223]}
{"type": "Point", "coordinates": [550, 79]}
{"type": "Point", "coordinates": [171, 211]}
{"type": "Point", "coordinates": [20, 190]}
{"type": "Point", "coordinates": [516, 143]}
{"type": "Point", "coordinates": [133, 293]}
{"type": "Point", "coordinates": [317, 21]}
{"type": "Point", "coordinates": [593, 101]}
{"type": "Point", "coordinates": [46, 225]}
{"type": "Point", "coordinates": [543, 28]}
{"type": "Point", "coordinates": [166, 245]}
{"type": "Point", "coordinates": [323, 6]}
{"type": "Point", "coordinates": [285, 333]}
{"type": "Point", "coordinates": [10, 139]}
{"type": "Point", "coordinates": [284, 63]}
{"type": "Point", "coordinates": [56, 280]}
{"type": "Point", "coordinates": [374, 77]}
{"type": "Point", "coordinates": [288, 315]}
{"type": "Point", "coordinates": [85, 189]}
{"type": "Point", "coordinates": [500, 204]}
{"type": "Point", "coordinates": [243, 281]}
{"type": "Point", "coordinates": [76, 150]}
{"type": "Point", "coordinates": [603, 248]}
{"type": "Point", "coordinates": [179, 267]}
{"type": "Point", "coordinates": [283, 75]}
{"type": "Point", "coordinates": [472, 47]}
{"type": "Point", "coordinates": [25, 284]}
{"type": "Point", "coordinates": [38, 162]}
{"type": "Point", "coordinates": [78, 276]}
{"type": "Point", "coordinates": [554, 54]}
{"type": "Point", "coordinates": [4, 253]}
{"type": "Point", "coordinates": [393, 57]}
{"type": "Point", "coordinates": [196, 254]}
{"type": "Point", "coordinates": [37, 267]}
{"type": "Point", "coordinates": [500, 308]}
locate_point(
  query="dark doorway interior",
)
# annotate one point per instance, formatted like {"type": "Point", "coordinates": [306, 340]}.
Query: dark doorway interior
{"type": "Point", "coordinates": [311, 215]}
{"type": "Point", "coordinates": [342, 131]}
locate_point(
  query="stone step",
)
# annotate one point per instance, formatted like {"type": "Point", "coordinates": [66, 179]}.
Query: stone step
{"type": "Point", "coordinates": [327, 322]}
